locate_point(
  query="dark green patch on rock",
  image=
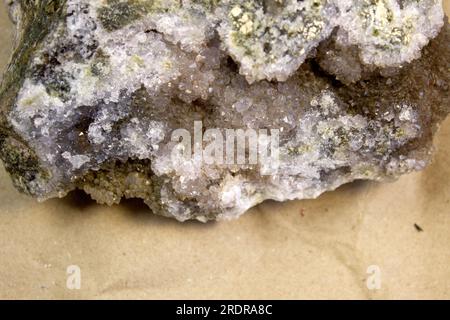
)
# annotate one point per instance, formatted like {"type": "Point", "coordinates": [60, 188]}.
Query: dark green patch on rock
{"type": "Point", "coordinates": [118, 14]}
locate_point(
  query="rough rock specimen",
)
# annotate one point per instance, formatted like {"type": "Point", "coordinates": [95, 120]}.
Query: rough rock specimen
{"type": "Point", "coordinates": [96, 88]}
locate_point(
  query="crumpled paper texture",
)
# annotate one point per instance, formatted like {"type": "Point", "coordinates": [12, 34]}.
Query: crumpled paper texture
{"type": "Point", "coordinates": [364, 241]}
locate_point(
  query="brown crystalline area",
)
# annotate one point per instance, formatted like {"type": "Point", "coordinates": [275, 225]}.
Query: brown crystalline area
{"type": "Point", "coordinates": [423, 83]}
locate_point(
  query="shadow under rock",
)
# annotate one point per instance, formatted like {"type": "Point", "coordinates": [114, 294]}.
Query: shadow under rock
{"type": "Point", "coordinates": [138, 211]}
{"type": "Point", "coordinates": [135, 209]}
{"type": "Point", "coordinates": [355, 188]}
{"type": "Point", "coordinates": [78, 200]}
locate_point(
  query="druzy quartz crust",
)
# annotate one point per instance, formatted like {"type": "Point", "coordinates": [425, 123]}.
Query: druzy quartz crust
{"type": "Point", "coordinates": [95, 89]}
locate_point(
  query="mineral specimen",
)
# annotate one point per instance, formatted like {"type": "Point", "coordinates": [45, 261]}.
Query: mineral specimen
{"type": "Point", "coordinates": [337, 90]}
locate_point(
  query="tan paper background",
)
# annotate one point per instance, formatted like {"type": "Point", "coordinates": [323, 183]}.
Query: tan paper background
{"type": "Point", "coordinates": [300, 249]}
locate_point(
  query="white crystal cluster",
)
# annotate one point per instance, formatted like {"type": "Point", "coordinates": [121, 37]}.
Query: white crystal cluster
{"type": "Point", "coordinates": [100, 93]}
{"type": "Point", "coordinates": [389, 32]}
{"type": "Point", "coordinates": [272, 38]}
